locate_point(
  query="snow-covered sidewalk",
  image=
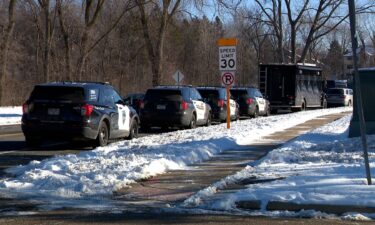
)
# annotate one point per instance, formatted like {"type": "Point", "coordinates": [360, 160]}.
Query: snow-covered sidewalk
{"type": "Point", "coordinates": [323, 167]}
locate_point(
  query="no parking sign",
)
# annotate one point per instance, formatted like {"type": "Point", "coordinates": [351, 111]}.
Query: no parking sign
{"type": "Point", "coordinates": [227, 78]}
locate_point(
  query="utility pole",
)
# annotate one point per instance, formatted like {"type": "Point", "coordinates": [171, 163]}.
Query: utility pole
{"type": "Point", "coordinates": [358, 93]}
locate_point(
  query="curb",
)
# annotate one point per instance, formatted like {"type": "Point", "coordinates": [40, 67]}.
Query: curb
{"type": "Point", "coordinates": [289, 206]}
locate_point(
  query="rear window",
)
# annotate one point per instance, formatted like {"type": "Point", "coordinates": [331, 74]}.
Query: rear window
{"type": "Point", "coordinates": [335, 91]}
{"type": "Point", "coordinates": [238, 94]}
{"type": "Point", "coordinates": [71, 94]}
{"type": "Point", "coordinates": [157, 94]}
{"type": "Point", "coordinates": [211, 94]}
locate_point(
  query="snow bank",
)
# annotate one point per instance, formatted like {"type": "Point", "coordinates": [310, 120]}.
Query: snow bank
{"type": "Point", "coordinates": [10, 115]}
{"type": "Point", "coordinates": [100, 172]}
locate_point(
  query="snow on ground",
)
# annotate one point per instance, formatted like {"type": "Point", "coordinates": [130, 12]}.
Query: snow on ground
{"type": "Point", "coordinates": [323, 166]}
{"type": "Point", "coordinates": [10, 115]}
{"type": "Point", "coordinates": [96, 174]}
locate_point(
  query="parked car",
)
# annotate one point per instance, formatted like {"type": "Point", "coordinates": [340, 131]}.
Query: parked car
{"type": "Point", "coordinates": [339, 97]}
{"type": "Point", "coordinates": [174, 106]}
{"type": "Point", "coordinates": [216, 97]}
{"type": "Point", "coordinates": [77, 111]}
{"type": "Point", "coordinates": [251, 101]}
{"type": "Point", "coordinates": [134, 100]}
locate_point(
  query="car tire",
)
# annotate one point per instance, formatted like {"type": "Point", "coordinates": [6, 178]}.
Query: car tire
{"type": "Point", "coordinates": [324, 104]}
{"type": "Point", "coordinates": [33, 142]}
{"type": "Point", "coordinates": [193, 122]}
{"type": "Point", "coordinates": [349, 103]}
{"type": "Point", "coordinates": [268, 111]}
{"type": "Point", "coordinates": [209, 120]}
{"type": "Point", "coordinates": [133, 132]}
{"type": "Point", "coordinates": [256, 112]}
{"type": "Point", "coordinates": [102, 138]}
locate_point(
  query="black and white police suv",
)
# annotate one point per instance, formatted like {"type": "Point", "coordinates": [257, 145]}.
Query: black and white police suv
{"type": "Point", "coordinates": [216, 97]}
{"type": "Point", "coordinates": [174, 106]}
{"type": "Point", "coordinates": [77, 111]}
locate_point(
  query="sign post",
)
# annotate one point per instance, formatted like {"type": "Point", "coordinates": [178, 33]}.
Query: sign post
{"type": "Point", "coordinates": [227, 66]}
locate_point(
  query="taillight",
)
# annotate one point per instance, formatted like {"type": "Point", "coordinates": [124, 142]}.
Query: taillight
{"type": "Point", "coordinates": [290, 97]}
{"type": "Point", "coordinates": [220, 103]}
{"type": "Point", "coordinates": [26, 108]}
{"type": "Point", "coordinates": [184, 105]}
{"type": "Point", "coordinates": [141, 104]}
{"type": "Point", "coordinates": [342, 96]}
{"type": "Point", "coordinates": [86, 110]}
{"type": "Point", "coordinates": [249, 101]}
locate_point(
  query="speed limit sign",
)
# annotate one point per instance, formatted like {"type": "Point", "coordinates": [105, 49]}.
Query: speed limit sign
{"type": "Point", "coordinates": [227, 58]}
{"type": "Point", "coordinates": [227, 54]}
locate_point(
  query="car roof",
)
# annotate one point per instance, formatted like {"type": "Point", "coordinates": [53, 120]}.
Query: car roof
{"type": "Point", "coordinates": [244, 88]}
{"type": "Point", "coordinates": [171, 87]}
{"type": "Point", "coordinates": [337, 88]}
{"type": "Point", "coordinates": [72, 84]}
{"type": "Point", "coordinates": [210, 88]}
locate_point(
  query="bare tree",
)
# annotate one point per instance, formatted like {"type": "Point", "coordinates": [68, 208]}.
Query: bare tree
{"type": "Point", "coordinates": [65, 34]}
{"type": "Point", "coordinates": [328, 16]}
{"type": "Point", "coordinates": [294, 24]}
{"type": "Point", "coordinates": [90, 17]}
{"type": "Point", "coordinates": [155, 45]}
{"type": "Point", "coordinates": [48, 34]}
{"type": "Point", "coordinates": [4, 46]}
{"type": "Point", "coordinates": [274, 19]}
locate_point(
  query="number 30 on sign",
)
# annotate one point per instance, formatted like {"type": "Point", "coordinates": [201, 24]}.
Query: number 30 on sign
{"type": "Point", "coordinates": [227, 57]}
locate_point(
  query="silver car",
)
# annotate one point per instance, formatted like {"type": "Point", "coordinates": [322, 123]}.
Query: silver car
{"type": "Point", "coordinates": [339, 97]}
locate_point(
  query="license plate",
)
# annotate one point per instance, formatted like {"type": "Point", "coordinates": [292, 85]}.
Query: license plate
{"type": "Point", "coordinates": [162, 107]}
{"type": "Point", "coordinates": [53, 111]}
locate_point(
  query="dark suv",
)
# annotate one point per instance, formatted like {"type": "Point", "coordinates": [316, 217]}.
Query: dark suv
{"type": "Point", "coordinates": [134, 100]}
{"type": "Point", "coordinates": [216, 97]}
{"type": "Point", "coordinates": [174, 106]}
{"type": "Point", "coordinates": [251, 101]}
{"type": "Point", "coordinates": [77, 111]}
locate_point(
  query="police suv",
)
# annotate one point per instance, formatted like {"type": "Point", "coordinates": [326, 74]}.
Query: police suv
{"type": "Point", "coordinates": [174, 106]}
{"type": "Point", "coordinates": [77, 111]}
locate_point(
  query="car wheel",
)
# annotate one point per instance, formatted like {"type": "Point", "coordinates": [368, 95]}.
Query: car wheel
{"type": "Point", "coordinates": [268, 111]}
{"type": "Point", "coordinates": [324, 104]}
{"type": "Point", "coordinates": [102, 139]}
{"type": "Point", "coordinates": [33, 141]}
{"type": "Point", "coordinates": [193, 122]}
{"type": "Point", "coordinates": [256, 112]}
{"type": "Point", "coordinates": [303, 106]}
{"type": "Point", "coordinates": [209, 120]}
{"type": "Point", "coordinates": [134, 128]}
{"type": "Point", "coordinates": [350, 103]}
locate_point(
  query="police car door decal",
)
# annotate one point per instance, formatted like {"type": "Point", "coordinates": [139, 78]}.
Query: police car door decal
{"type": "Point", "coordinates": [232, 105]}
{"type": "Point", "coordinates": [200, 108]}
{"type": "Point", "coordinates": [262, 104]}
{"type": "Point", "coordinates": [123, 117]}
